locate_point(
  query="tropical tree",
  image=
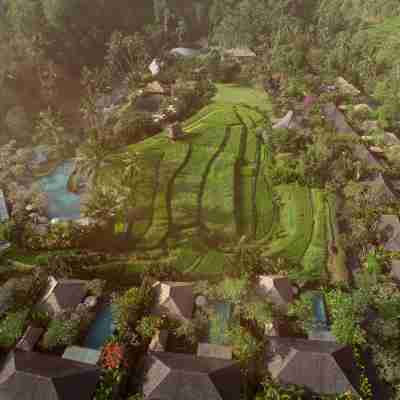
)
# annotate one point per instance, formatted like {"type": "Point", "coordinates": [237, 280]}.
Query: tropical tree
{"type": "Point", "coordinates": [50, 127]}
{"type": "Point", "coordinates": [92, 155]}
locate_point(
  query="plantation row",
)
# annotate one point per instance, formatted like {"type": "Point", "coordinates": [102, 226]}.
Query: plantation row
{"type": "Point", "coordinates": [203, 193]}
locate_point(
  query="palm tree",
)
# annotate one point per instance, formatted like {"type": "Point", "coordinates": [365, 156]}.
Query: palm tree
{"type": "Point", "coordinates": [91, 156]}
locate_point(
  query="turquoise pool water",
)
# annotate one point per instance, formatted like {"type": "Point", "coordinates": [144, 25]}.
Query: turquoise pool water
{"type": "Point", "coordinates": [220, 324]}
{"type": "Point", "coordinates": [62, 203]}
{"type": "Point", "coordinates": [320, 311]}
{"type": "Point", "coordinates": [100, 330]}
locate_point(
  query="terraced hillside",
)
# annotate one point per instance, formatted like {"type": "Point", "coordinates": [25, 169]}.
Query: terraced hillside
{"type": "Point", "coordinates": [201, 194]}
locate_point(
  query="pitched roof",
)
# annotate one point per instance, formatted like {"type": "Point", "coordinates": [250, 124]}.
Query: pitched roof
{"type": "Point", "coordinates": [324, 367]}
{"type": "Point", "coordinates": [186, 52]}
{"type": "Point", "coordinates": [379, 189]}
{"type": "Point", "coordinates": [395, 271]}
{"type": "Point", "coordinates": [277, 288]}
{"type": "Point", "coordinates": [340, 124]}
{"type": "Point", "coordinates": [240, 52]}
{"type": "Point", "coordinates": [35, 376]}
{"type": "Point", "coordinates": [156, 87]}
{"type": "Point", "coordinates": [68, 293]}
{"type": "Point", "coordinates": [30, 338]}
{"type": "Point", "coordinates": [4, 245]}
{"type": "Point", "coordinates": [173, 376]}
{"type": "Point", "coordinates": [175, 299]}
{"type": "Point", "coordinates": [389, 226]}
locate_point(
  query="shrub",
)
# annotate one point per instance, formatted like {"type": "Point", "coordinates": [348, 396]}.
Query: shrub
{"type": "Point", "coordinates": [233, 290]}
{"type": "Point", "coordinates": [95, 287]}
{"type": "Point", "coordinates": [113, 356]}
{"type": "Point", "coordinates": [148, 326]}
{"type": "Point", "coordinates": [192, 330]}
{"type": "Point", "coordinates": [12, 327]}
{"type": "Point", "coordinates": [61, 332]}
{"type": "Point", "coordinates": [128, 307]}
{"type": "Point", "coordinates": [245, 346]}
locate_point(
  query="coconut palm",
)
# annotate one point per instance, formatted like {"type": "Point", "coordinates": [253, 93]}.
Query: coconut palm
{"type": "Point", "coordinates": [92, 155]}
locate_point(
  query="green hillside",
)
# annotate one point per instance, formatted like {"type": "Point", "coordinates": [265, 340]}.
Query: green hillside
{"type": "Point", "coordinates": [213, 187]}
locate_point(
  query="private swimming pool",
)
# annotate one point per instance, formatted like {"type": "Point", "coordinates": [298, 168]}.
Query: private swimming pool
{"type": "Point", "coordinates": [320, 311]}
{"type": "Point", "coordinates": [101, 329]}
{"type": "Point", "coordinates": [220, 323]}
{"type": "Point", "coordinates": [62, 203]}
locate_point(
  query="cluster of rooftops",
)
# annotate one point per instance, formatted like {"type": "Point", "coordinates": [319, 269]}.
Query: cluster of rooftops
{"type": "Point", "coordinates": [324, 367]}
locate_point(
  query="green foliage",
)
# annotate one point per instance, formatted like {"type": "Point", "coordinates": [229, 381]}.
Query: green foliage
{"type": "Point", "coordinates": [259, 311]}
{"type": "Point", "coordinates": [273, 391]}
{"type": "Point", "coordinates": [50, 128]}
{"type": "Point", "coordinates": [245, 346]}
{"type": "Point", "coordinates": [107, 385]}
{"type": "Point", "coordinates": [347, 311]}
{"type": "Point", "coordinates": [233, 290]}
{"type": "Point", "coordinates": [61, 331]}
{"type": "Point", "coordinates": [302, 309]}
{"type": "Point", "coordinates": [148, 326]}
{"type": "Point", "coordinates": [128, 307]}
{"type": "Point", "coordinates": [12, 327]}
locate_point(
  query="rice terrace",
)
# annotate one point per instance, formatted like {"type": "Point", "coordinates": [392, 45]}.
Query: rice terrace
{"type": "Point", "coordinates": [200, 195]}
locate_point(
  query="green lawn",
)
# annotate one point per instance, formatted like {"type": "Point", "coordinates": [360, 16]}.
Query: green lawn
{"type": "Point", "coordinates": [316, 256]}
{"type": "Point", "coordinates": [296, 223]}
{"type": "Point", "coordinates": [216, 179]}
{"type": "Point", "coordinates": [337, 262]}
{"type": "Point", "coordinates": [233, 93]}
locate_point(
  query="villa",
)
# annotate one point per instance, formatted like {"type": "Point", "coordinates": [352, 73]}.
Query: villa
{"type": "Point", "coordinates": [174, 376]}
{"type": "Point", "coordinates": [174, 299]}
{"type": "Point", "coordinates": [323, 367]}
{"type": "Point", "coordinates": [277, 289]}
{"type": "Point", "coordinates": [389, 228]}
{"type": "Point", "coordinates": [62, 295]}
{"type": "Point", "coordinates": [240, 52]}
{"type": "Point", "coordinates": [35, 376]}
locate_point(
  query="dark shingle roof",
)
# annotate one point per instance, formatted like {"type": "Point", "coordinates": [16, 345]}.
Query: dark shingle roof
{"type": "Point", "coordinates": [338, 120]}
{"type": "Point", "coordinates": [66, 295]}
{"type": "Point", "coordinates": [175, 299]}
{"type": "Point", "coordinates": [173, 376]}
{"type": "Point", "coordinates": [277, 288]}
{"type": "Point", "coordinates": [389, 227]}
{"type": "Point", "coordinates": [30, 338]}
{"type": "Point", "coordinates": [323, 367]}
{"type": "Point", "coordinates": [35, 376]}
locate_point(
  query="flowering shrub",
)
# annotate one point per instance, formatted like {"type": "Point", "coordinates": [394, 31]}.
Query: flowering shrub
{"type": "Point", "coordinates": [113, 356]}
{"type": "Point", "coordinates": [113, 364]}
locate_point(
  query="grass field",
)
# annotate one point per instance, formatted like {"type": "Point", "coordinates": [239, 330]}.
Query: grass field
{"type": "Point", "coordinates": [316, 256]}
{"type": "Point", "coordinates": [216, 182]}
{"type": "Point", "coordinates": [295, 223]}
{"type": "Point", "coordinates": [336, 265]}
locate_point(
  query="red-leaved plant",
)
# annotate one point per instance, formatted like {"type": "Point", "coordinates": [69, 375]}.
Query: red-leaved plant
{"type": "Point", "coordinates": [113, 356]}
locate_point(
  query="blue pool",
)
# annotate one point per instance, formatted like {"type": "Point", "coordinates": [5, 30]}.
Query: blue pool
{"type": "Point", "coordinates": [62, 203]}
{"type": "Point", "coordinates": [320, 311]}
{"type": "Point", "coordinates": [219, 325]}
{"type": "Point", "coordinates": [100, 330]}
